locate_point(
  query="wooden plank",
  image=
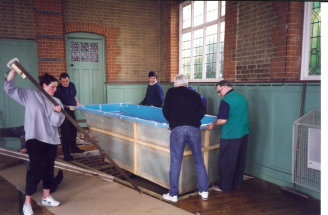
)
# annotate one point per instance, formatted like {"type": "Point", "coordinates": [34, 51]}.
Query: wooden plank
{"type": "Point", "coordinates": [206, 146]}
{"type": "Point", "coordinates": [135, 148]}
{"type": "Point", "coordinates": [150, 145]}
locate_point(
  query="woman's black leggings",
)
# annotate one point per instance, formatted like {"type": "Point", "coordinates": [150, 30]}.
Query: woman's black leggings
{"type": "Point", "coordinates": [42, 160]}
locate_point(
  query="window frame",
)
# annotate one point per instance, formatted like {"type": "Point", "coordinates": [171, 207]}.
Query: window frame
{"type": "Point", "coordinates": [306, 44]}
{"type": "Point", "coordinates": [192, 29]}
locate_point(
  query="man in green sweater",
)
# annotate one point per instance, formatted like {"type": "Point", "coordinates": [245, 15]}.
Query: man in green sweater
{"type": "Point", "coordinates": [233, 118]}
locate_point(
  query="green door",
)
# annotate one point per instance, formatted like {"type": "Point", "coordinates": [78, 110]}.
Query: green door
{"type": "Point", "coordinates": [86, 67]}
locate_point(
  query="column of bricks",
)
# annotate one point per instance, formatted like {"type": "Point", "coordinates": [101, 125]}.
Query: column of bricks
{"type": "Point", "coordinates": [294, 45]}
{"type": "Point", "coordinates": [164, 73]}
{"type": "Point", "coordinates": [287, 38]}
{"type": "Point", "coordinates": [279, 40]}
{"type": "Point", "coordinates": [174, 41]}
{"type": "Point", "coordinates": [169, 41]}
{"type": "Point", "coordinates": [50, 37]}
{"type": "Point", "coordinates": [229, 66]}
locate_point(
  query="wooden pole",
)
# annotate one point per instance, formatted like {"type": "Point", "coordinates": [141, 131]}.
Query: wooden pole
{"type": "Point", "coordinates": [61, 165]}
{"type": "Point", "coordinates": [17, 66]}
{"type": "Point", "coordinates": [206, 146]}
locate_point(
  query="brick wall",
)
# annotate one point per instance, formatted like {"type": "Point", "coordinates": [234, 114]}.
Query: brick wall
{"type": "Point", "coordinates": [138, 27]}
{"type": "Point", "coordinates": [143, 35]}
{"type": "Point", "coordinates": [17, 19]}
{"type": "Point", "coordinates": [254, 42]}
{"type": "Point", "coordinates": [263, 41]}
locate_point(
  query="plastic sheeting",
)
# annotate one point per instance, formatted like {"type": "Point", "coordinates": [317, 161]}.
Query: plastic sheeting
{"type": "Point", "coordinates": [137, 113]}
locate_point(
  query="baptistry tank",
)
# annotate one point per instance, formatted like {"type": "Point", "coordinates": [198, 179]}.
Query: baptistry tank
{"type": "Point", "coordinates": [137, 138]}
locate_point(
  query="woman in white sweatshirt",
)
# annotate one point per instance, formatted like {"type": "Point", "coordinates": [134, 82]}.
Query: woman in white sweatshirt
{"type": "Point", "coordinates": [42, 119]}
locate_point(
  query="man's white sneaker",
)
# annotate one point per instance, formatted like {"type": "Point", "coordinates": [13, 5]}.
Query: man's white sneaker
{"type": "Point", "coordinates": [204, 195]}
{"type": "Point", "coordinates": [27, 209]}
{"type": "Point", "coordinates": [170, 198]}
{"type": "Point", "coordinates": [49, 201]}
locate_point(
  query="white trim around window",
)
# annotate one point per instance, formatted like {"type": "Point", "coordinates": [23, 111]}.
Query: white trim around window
{"type": "Point", "coordinates": [306, 44]}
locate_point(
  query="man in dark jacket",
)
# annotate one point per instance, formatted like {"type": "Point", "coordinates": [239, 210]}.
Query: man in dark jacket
{"type": "Point", "coordinates": [66, 93]}
{"type": "Point", "coordinates": [183, 109]}
{"type": "Point", "coordinates": [155, 94]}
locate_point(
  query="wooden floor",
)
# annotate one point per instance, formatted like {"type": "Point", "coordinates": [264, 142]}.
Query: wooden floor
{"type": "Point", "coordinates": [255, 197]}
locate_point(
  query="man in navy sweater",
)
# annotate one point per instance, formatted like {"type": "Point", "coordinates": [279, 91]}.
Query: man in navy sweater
{"type": "Point", "coordinates": [154, 95]}
{"type": "Point", "coordinates": [183, 109]}
{"type": "Point", "coordinates": [66, 92]}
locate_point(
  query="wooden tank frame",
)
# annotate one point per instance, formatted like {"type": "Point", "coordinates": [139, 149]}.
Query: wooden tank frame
{"type": "Point", "coordinates": [137, 138]}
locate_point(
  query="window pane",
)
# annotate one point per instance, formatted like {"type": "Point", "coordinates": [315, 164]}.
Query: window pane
{"type": "Point", "coordinates": [212, 10]}
{"type": "Point", "coordinates": [84, 52]}
{"type": "Point", "coordinates": [94, 57]}
{"type": "Point", "coordinates": [186, 16]}
{"type": "Point", "coordinates": [75, 46]}
{"type": "Point", "coordinates": [211, 51]}
{"type": "Point", "coordinates": [315, 52]}
{"type": "Point", "coordinates": [198, 12]}
{"type": "Point", "coordinates": [198, 54]}
{"type": "Point", "coordinates": [75, 51]}
{"type": "Point", "coordinates": [186, 56]}
{"type": "Point", "coordinates": [75, 56]}
{"type": "Point", "coordinates": [85, 57]}
{"type": "Point", "coordinates": [93, 47]}
{"type": "Point", "coordinates": [222, 8]}
{"type": "Point", "coordinates": [222, 29]}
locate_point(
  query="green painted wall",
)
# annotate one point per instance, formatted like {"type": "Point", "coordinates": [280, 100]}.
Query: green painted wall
{"type": "Point", "coordinates": [12, 113]}
{"type": "Point", "coordinates": [133, 93]}
{"type": "Point", "coordinates": [272, 110]}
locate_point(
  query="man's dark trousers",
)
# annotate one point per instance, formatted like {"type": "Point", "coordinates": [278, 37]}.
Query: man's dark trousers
{"type": "Point", "coordinates": [68, 134]}
{"type": "Point", "coordinates": [232, 162]}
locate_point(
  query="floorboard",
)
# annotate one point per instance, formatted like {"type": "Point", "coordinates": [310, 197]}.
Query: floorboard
{"type": "Point", "coordinates": [256, 197]}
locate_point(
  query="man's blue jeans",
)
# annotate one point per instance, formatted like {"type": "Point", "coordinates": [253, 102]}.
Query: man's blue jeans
{"type": "Point", "coordinates": [179, 137]}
